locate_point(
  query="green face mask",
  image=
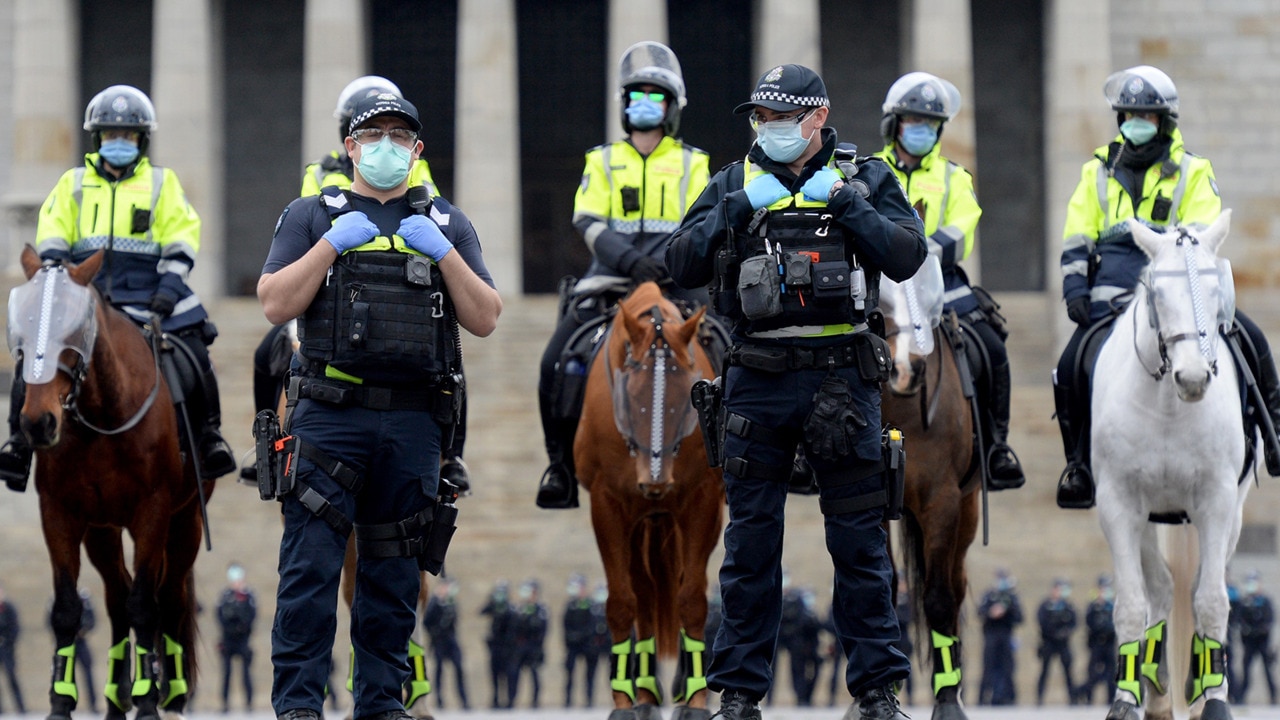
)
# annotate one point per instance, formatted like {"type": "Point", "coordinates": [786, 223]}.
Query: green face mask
{"type": "Point", "coordinates": [1138, 131]}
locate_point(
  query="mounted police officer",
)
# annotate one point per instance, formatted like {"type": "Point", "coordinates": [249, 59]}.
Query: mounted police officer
{"type": "Point", "coordinates": [380, 280]}
{"type": "Point", "coordinates": [138, 213]}
{"type": "Point", "coordinates": [1147, 174]}
{"type": "Point", "coordinates": [916, 110]}
{"type": "Point", "coordinates": [632, 196]}
{"type": "Point", "coordinates": [793, 240]}
{"type": "Point", "coordinates": [270, 360]}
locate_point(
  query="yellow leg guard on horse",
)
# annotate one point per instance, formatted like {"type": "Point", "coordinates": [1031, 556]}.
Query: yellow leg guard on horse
{"type": "Point", "coordinates": [118, 676]}
{"type": "Point", "coordinates": [175, 670]}
{"type": "Point", "coordinates": [1208, 666]}
{"type": "Point", "coordinates": [64, 672]}
{"type": "Point", "coordinates": [646, 667]}
{"type": "Point", "coordinates": [145, 680]}
{"type": "Point", "coordinates": [1128, 669]}
{"type": "Point", "coordinates": [621, 681]}
{"type": "Point", "coordinates": [1153, 656]}
{"type": "Point", "coordinates": [351, 672]}
{"type": "Point", "coordinates": [419, 686]}
{"type": "Point", "coordinates": [690, 675]}
{"type": "Point", "coordinates": [946, 661]}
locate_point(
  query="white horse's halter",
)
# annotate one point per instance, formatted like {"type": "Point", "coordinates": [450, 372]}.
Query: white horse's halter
{"type": "Point", "coordinates": [1192, 272]}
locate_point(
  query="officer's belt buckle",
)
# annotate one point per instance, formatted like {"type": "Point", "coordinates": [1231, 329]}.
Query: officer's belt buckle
{"type": "Point", "coordinates": [377, 398]}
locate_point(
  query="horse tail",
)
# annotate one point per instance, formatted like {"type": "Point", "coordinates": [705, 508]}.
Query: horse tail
{"type": "Point", "coordinates": [188, 630]}
{"type": "Point", "coordinates": [912, 536]}
{"type": "Point", "coordinates": [662, 562]}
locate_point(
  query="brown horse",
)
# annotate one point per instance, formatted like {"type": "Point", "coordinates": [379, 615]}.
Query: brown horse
{"type": "Point", "coordinates": [104, 427]}
{"type": "Point", "coordinates": [925, 399]}
{"type": "Point", "coordinates": [655, 504]}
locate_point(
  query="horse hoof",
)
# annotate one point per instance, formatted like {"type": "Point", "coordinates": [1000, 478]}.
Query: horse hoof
{"type": "Point", "coordinates": [57, 716]}
{"type": "Point", "coordinates": [646, 711]}
{"type": "Point", "coordinates": [684, 712]}
{"type": "Point", "coordinates": [622, 714]}
{"type": "Point", "coordinates": [1121, 710]}
{"type": "Point", "coordinates": [948, 711]}
{"type": "Point", "coordinates": [1215, 710]}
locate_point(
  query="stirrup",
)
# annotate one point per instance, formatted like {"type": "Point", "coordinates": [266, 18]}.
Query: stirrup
{"type": "Point", "coordinates": [551, 496]}
{"type": "Point", "coordinates": [995, 482]}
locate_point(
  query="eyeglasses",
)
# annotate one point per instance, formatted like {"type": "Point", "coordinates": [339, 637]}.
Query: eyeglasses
{"type": "Point", "coordinates": [642, 95]}
{"type": "Point", "coordinates": [757, 121]}
{"type": "Point", "coordinates": [400, 136]}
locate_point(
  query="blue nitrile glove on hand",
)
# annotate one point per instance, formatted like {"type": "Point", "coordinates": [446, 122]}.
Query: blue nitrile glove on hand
{"type": "Point", "coordinates": [818, 187]}
{"type": "Point", "coordinates": [351, 230]}
{"type": "Point", "coordinates": [424, 236]}
{"type": "Point", "coordinates": [765, 191]}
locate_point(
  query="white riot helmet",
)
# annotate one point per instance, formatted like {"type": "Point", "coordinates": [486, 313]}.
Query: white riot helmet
{"type": "Point", "coordinates": [652, 63]}
{"type": "Point", "coordinates": [357, 90]}
{"type": "Point", "coordinates": [1143, 88]}
{"type": "Point", "coordinates": [918, 93]}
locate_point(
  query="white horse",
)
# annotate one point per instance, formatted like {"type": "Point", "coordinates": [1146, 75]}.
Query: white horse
{"type": "Point", "coordinates": [1167, 439]}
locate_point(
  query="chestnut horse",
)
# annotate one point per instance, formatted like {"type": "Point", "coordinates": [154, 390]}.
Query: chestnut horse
{"type": "Point", "coordinates": [655, 504]}
{"type": "Point", "coordinates": [105, 431]}
{"type": "Point", "coordinates": [924, 398]}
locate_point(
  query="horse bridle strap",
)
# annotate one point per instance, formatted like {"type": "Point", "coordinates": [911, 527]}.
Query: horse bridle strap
{"type": "Point", "coordinates": [81, 372]}
{"type": "Point", "coordinates": [1202, 331]}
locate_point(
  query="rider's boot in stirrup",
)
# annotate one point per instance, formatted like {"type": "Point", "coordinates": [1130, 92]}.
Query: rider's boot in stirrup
{"type": "Point", "coordinates": [216, 458]}
{"type": "Point", "coordinates": [558, 489]}
{"type": "Point", "coordinates": [1002, 463]}
{"type": "Point", "coordinates": [1269, 384]}
{"type": "Point", "coordinates": [15, 462]}
{"type": "Point", "coordinates": [1075, 486]}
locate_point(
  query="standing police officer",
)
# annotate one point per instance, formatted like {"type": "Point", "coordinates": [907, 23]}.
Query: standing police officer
{"type": "Point", "coordinates": [793, 240]}
{"type": "Point", "coordinates": [1100, 637]}
{"type": "Point", "coordinates": [1057, 618]}
{"type": "Point", "coordinates": [1001, 613]}
{"type": "Point", "coordinates": [1256, 618]}
{"type": "Point", "coordinates": [579, 638]}
{"type": "Point", "coordinates": [441, 623]}
{"type": "Point", "coordinates": [378, 283]}
{"type": "Point", "coordinates": [916, 110]}
{"type": "Point", "coordinates": [632, 196]}
{"type": "Point", "coordinates": [501, 643]}
{"type": "Point", "coordinates": [138, 213]}
{"type": "Point", "coordinates": [1146, 174]}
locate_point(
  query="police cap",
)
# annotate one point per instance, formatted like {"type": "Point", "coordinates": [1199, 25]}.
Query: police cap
{"type": "Point", "coordinates": [787, 87]}
{"type": "Point", "coordinates": [384, 104]}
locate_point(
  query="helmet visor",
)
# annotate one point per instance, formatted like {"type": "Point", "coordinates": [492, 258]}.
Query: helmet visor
{"type": "Point", "coordinates": [48, 314]}
{"type": "Point", "coordinates": [915, 305]}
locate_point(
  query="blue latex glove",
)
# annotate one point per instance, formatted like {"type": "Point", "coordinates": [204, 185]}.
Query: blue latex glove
{"type": "Point", "coordinates": [818, 187]}
{"type": "Point", "coordinates": [424, 236]}
{"type": "Point", "coordinates": [351, 230]}
{"type": "Point", "coordinates": [765, 191]}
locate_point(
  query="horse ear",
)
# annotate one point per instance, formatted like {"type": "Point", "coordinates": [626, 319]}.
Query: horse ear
{"type": "Point", "coordinates": [1145, 237]}
{"type": "Point", "coordinates": [684, 334]}
{"type": "Point", "coordinates": [630, 323]}
{"type": "Point", "coordinates": [84, 272]}
{"type": "Point", "coordinates": [1217, 232]}
{"type": "Point", "coordinates": [30, 261]}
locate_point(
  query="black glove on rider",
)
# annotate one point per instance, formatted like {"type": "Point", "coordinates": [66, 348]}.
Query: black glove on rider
{"type": "Point", "coordinates": [1078, 311]}
{"type": "Point", "coordinates": [162, 305]}
{"type": "Point", "coordinates": [646, 268]}
{"type": "Point", "coordinates": [830, 429]}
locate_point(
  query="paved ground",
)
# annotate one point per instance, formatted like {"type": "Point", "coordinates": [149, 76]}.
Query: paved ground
{"type": "Point", "coordinates": [503, 535]}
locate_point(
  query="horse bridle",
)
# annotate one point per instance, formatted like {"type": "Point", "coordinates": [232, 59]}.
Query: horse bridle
{"type": "Point", "coordinates": [1201, 334]}
{"type": "Point", "coordinates": [80, 372]}
{"type": "Point", "coordinates": [660, 350]}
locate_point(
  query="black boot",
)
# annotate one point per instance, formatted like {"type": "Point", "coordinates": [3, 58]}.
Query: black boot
{"type": "Point", "coordinates": [15, 462]}
{"type": "Point", "coordinates": [737, 706]}
{"type": "Point", "coordinates": [558, 489]}
{"type": "Point", "coordinates": [1002, 463]}
{"type": "Point", "coordinates": [216, 458]}
{"type": "Point", "coordinates": [1075, 486]}
{"type": "Point", "coordinates": [879, 704]}
{"type": "Point", "coordinates": [1269, 385]}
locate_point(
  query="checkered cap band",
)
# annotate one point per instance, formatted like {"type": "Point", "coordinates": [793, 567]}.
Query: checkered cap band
{"type": "Point", "coordinates": [801, 100]}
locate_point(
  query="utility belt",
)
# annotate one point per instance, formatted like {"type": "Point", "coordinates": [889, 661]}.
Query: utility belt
{"type": "Point", "coordinates": [441, 396]}
{"type": "Point", "coordinates": [425, 535]}
{"type": "Point", "coordinates": [866, 351]}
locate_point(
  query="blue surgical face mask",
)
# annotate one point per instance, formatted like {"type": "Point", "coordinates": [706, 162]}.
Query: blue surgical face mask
{"type": "Point", "coordinates": [1138, 131]}
{"type": "Point", "coordinates": [645, 114]}
{"type": "Point", "coordinates": [919, 138]}
{"type": "Point", "coordinates": [782, 140]}
{"type": "Point", "coordinates": [384, 165]}
{"type": "Point", "coordinates": [119, 152]}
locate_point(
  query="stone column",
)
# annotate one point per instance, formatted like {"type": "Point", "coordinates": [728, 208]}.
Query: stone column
{"type": "Point", "coordinates": [630, 21]}
{"type": "Point", "coordinates": [46, 115]}
{"type": "Point", "coordinates": [953, 61]}
{"type": "Point", "coordinates": [335, 55]}
{"type": "Point", "coordinates": [487, 150]}
{"type": "Point", "coordinates": [788, 31]}
{"type": "Point", "coordinates": [1077, 62]}
{"type": "Point", "coordinates": [185, 75]}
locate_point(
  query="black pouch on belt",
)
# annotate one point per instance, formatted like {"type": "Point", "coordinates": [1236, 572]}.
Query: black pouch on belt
{"type": "Point", "coordinates": [874, 357]}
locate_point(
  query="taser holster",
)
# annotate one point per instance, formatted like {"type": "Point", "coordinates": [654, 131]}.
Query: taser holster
{"type": "Point", "coordinates": [276, 464]}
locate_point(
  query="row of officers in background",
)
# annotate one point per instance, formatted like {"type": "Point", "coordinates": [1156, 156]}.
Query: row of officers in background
{"type": "Point", "coordinates": [1058, 621]}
